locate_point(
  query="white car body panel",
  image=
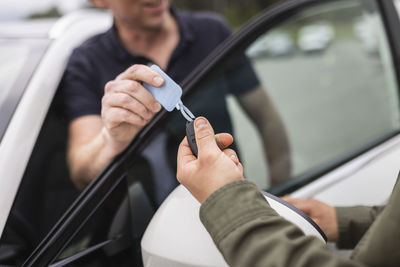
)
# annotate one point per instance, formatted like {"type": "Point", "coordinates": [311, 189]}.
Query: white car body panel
{"type": "Point", "coordinates": [176, 237]}
{"type": "Point", "coordinates": [16, 145]}
{"type": "Point", "coordinates": [366, 180]}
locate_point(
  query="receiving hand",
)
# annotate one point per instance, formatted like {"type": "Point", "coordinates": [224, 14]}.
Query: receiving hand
{"type": "Point", "coordinates": [213, 168]}
{"type": "Point", "coordinates": [127, 106]}
{"type": "Point", "coordinates": [323, 214]}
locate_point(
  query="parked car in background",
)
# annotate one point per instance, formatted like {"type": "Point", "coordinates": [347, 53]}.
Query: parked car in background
{"type": "Point", "coordinates": [343, 151]}
{"type": "Point", "coordinates": [315, 37]}
{"type": "Point", "coordinates": [275, 44]}
{"type": "Point", "coordinates": [366, 32]}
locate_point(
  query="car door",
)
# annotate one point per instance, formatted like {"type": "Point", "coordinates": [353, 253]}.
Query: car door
{"type": "Point", "coordinates": [333, 94]}
{"type": "Point", "coordinates": [327, 86]}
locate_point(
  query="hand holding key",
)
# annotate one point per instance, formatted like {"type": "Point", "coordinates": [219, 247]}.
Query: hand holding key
{"type": "Point", "coordinates": [127, 106]}
{"type": "Point", "coordinates": [169, 95]}
{"type": "Point", "coordinates": [215, 165]}
{"type": "Point", "coordinates": [204, 168]}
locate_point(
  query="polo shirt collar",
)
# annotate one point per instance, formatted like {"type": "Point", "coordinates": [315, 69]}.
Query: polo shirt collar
{"type": "Point", "coordinates": [186, 36]}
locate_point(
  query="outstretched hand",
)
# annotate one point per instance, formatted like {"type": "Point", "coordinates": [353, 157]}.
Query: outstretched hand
{"type": "Point", "coordinates": [215, 165]}
{"type": "Point", "coordinates": [323, 214]}
{"type": "Point", "coordinates": [127, 106]}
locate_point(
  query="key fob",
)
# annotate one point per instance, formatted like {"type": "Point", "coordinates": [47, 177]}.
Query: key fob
{"type": "Point", "coordinates": [191, 137]}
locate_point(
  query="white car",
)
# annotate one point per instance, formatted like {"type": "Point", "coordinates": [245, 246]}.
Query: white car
{"type": "Point", "coordinates": [343, 125]}
{"type": "Point", "coordinates": [365, 32]}
{"type": "Point", "coordinates": [315, 37]}
{"type": "Point", "coordinates": [276, 44]}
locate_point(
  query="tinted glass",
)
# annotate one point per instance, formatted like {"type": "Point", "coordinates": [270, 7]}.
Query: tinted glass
{"type": "Point", "coordinates": [18, 59]}
{"type": "Point", "coordinates": [328, 70]}
{"type": "Point", "coordinates": [305, 96]}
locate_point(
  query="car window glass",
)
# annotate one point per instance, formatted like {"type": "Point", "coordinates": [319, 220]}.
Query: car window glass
{"type": "Point", "coordinates": [18, 59]}
{"type": "Point", "coordinates": [298, 98]}
{"type": "Point", "coordinates": [111, 234]}
{"type": "Point", "coordinates": [44, 194]}
{"type": "Point", "coordinates": [13, 58]}
{"type": "Point", "coordinates": [328, 70]}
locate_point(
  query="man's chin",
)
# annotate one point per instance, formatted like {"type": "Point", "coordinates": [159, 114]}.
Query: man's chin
{"type": "Point", "coordinates": [155, 24]}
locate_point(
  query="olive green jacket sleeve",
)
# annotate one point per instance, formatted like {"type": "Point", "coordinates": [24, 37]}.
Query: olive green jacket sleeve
{"type": "Point", "coordinates": [380, 245]}
{"type": "Point", "coordinates": [353, 222]}
{"type": "Point", "coordinates": [248, 232]}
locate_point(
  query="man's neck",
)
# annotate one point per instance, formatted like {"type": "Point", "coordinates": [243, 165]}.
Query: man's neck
{"type": "Point", "coordinates": [144, 41]}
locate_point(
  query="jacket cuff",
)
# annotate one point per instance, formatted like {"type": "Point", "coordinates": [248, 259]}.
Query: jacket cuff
{"type": "Point", "coordinates": [231, 206]}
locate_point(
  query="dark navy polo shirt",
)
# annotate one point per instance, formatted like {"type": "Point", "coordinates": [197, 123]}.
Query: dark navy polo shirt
{"type": "Point", "coordinates": [101, 58]}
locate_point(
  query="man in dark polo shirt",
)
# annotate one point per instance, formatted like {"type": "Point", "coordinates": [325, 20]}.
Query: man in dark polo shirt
{"type": "Point", "coordinates": [105, 101]}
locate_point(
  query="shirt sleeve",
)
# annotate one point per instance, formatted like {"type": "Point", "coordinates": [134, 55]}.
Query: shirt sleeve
{"type": "Point", "coordinates": [248, 232]}
{"type": "Point", "coordinates": [241, 75]}
{"type": "Point", "coordinates": [379, 245]}
{"type": "Point", "coordinates": [239, 72]}
{"type": "Point", "coordinates": [78, 89]}
{"type": "Point", "coordinates": [353, 222]}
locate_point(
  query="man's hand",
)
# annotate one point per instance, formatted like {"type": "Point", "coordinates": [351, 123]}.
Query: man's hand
{"type": "Point", "coordinates": [127, 106]}
{"type": "Point", "coordinates": [213, 168]}
{"type": "Point", "coordinates": [323, 214]}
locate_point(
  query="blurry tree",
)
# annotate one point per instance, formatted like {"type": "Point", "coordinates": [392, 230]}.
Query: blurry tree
{"type": "Point", "coordinates": [236, 12]}
{"type": "Point", "coordinates": [52, 12]}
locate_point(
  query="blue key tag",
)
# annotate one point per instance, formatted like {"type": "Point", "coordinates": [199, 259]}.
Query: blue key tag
{"type": "Point", "coordinates": [169, 94]}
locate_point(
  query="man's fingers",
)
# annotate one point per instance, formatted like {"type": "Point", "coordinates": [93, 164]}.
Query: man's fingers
{"type": "Point", "coordinates": [301, 204]}
{"type": "Point", "coordinates": [124, 101]}
{"type": "Point", "coordinates": [232, 155]}
{"type": "Point", "coordinates": [223, 140]}
{"type": "Point", "coordinates": [142, 73]}
{"type": "Point", "coordinates": [115, 116]}
{"type": "Point", "coordinates": [132, 89]}
{"type": "Point", "coordinates": [137, 74]}
{"type": "Point", "coordinates": [205, 137]}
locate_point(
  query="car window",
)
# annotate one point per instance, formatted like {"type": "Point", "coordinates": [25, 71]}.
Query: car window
{"type": "Point", "coordinates": [44, 194]}
{"type": "Point", "coordinates": [328, 71]}
{"type": "Point", "coordinates": [18, 60]}
{"type": "Point", "coordinates": [108, 236]}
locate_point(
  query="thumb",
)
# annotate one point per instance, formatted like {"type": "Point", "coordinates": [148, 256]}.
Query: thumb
{"type": "Point", "coordinates": [205, 137]}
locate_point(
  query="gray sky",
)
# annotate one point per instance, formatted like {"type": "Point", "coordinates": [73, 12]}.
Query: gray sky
{"type": "Point", "coordinates": [12, 9]}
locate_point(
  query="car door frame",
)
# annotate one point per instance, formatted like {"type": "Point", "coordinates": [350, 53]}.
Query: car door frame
{"type": "Point", "coordinates": [96, 193]}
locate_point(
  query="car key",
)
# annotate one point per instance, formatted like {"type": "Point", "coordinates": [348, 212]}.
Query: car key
{"type": "Point", "coordinates": [169, 96]}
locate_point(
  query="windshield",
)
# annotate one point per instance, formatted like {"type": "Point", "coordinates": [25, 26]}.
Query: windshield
{"type": "Point", "coordinates": [18, 60]}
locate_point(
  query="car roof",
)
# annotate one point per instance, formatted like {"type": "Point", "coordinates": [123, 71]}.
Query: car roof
{"type": "Point", "coordinates": [36, 28]}
{"type": "Point", "coordinates": [49, 28]}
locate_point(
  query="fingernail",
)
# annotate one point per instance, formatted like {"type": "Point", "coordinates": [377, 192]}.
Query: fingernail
{"type": "Point", "coordinates": [234, 157]}
{"type": "Point", "coordinates": [158, 80]}
{"type": "Point", "coordinates": [200, 123]}
{"type": "Point", "coordinates": [156, 106]}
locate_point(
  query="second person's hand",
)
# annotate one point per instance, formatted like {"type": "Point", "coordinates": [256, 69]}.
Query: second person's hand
{"type": "Point", "coordinates": [323, 214]}
{"type": "Point", "coordinates": [213, 168]}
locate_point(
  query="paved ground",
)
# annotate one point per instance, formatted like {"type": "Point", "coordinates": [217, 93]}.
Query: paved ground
{"type": "Point", "coordinates": [330, 102]}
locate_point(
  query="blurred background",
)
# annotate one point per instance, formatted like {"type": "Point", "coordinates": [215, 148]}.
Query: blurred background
{"type": "Point", "coordinates": [236, 12]}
